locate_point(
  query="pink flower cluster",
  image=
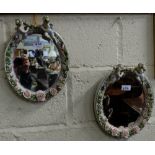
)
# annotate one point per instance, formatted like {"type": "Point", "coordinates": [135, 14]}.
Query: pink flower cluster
{"type": "Point", "coordinates": [125, 133]}
{"type": "Point", "coordinates": [115, 131]}
{"type": "Point", "coordinates": [40, 95]}
{"type": "Point", "coordinates": [136, 129]}
{"type": "Point", "coordinates": [53, 91]}
{"type": "Point", "coordinates": [27, 94]}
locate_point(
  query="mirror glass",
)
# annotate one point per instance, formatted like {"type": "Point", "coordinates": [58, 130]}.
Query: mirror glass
{"type": "Point", "coordinates": [37, 63]}
{"type": "Point", "coordinates": [124, 101]}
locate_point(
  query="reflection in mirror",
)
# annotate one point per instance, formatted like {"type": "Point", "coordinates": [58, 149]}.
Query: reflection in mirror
{"type": "Point", "coordinates": [121, 106]}
{"type": "Point", "coordinates": [36, 63]}
{"type": "Point", "coordinates": [123, 101]}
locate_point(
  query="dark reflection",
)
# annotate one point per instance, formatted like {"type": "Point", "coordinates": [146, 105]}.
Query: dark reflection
{"type": "Point", "coordinates": [36, 63]}
{"type": "Point", "coordinates": [124, 100]}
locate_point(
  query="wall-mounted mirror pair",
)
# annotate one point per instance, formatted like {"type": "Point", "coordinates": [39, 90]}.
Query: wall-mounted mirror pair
{"type": "Point", "coordinates": [36, 64]}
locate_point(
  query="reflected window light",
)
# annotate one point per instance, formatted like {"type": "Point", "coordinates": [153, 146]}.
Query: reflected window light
{"type": "Point", "coordinates": [31, 54]}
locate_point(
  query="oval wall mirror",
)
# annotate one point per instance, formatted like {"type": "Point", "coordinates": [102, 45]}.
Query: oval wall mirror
{"type": "Point", "coordinates": [36, 61]}
{"type": "Point", "coordinates": [123, 102]}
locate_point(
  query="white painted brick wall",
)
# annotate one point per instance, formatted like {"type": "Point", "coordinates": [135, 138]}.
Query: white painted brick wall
{"type": "Point", "coordinates": [95, 43]}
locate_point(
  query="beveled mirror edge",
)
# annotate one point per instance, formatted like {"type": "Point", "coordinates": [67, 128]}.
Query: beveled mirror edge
{"type": "Point", "coordinates": [123, 132]}
{"type": "Point", "coordinates": [39, 96]}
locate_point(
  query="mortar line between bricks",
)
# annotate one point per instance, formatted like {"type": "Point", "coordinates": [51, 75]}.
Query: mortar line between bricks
{"type": "Point", "coordinates": [90, 68]}
{"type": "Point", "coordinates": [90, 124]}
{"type": "Point", "coordinates": [108, 67]}
{"type": "Point", "coordinates": [119, 40]}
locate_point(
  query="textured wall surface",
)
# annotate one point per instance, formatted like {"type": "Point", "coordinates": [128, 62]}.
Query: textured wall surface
{"type": "Point", "coordinates": [95, 44]}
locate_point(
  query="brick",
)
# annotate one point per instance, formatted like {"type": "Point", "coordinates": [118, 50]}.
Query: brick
{"type": "Point", "coordinates": [2, 39]}
{"type": "Point", "coordinates": [81, 133]}
{"type": "Point", "coordinates": [78, 133]}
{"type": "Point", "coordinates": [147, 134]}
{"type": "Point", "coordinates": [16, 112]}
{"type": "Point", "coordinates": [47, 135]}
{"type": "Point", "coordinates": [137, 39]}
{"type": "Point", "coordinates": [83, 88]}
{"type": "Point", "coordinates": [88, 134]}
{"type": "Point", "coordinates": [7, 136]}
{"type": "Point", "coordinates": [90, 39]}
{"type": "Point", "coordinates": [150, 74]}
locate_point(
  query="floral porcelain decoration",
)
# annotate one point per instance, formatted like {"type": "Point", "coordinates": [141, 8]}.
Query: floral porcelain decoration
{"type": "Point", "coordinates": [36, 61]}
{"type": "Point", "coordinates": [99, 109]}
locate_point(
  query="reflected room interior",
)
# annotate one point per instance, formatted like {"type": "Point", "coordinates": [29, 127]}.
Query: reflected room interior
{"type": "Point", "coordinates": [37, 63]}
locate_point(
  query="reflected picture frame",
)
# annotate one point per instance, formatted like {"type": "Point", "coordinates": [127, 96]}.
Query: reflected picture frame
{"type": "Point", "coordinates": [23, 30]}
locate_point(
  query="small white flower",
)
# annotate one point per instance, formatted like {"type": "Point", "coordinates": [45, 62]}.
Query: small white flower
{"type": "Point", "coordinates": [136, 129]}
{"type": "Point", "coordinates": [144, 121]}
{"type": "Point", "coordinates": [17, 87]}
{"type": "Point", "coordinates": [53, 91]}
{"type": "Point", "coordinates": [125, 133]}
{"type": "Point", "coordinates": [145, 113]}
{"type": "Point", "coordinates": [61, 78]}
{"type": "Point", "coordinates": [108, 126]}
{"type": "Point", "coordinates": [16, 80]}
{"type": "Point", "coordinates": [130, 125]}
{"type": "Point", "coordinates": [115, 131]}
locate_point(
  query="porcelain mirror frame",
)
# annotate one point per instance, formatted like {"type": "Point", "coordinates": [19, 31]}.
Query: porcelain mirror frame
{"type": "Point", "coordinates": [22, 30]}
{"type": "Point", "coordinates": [123, 132]}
